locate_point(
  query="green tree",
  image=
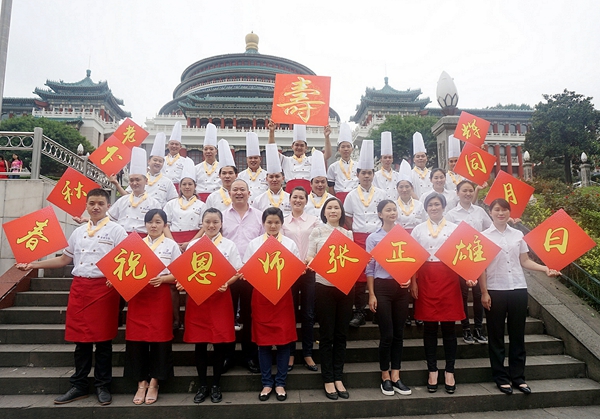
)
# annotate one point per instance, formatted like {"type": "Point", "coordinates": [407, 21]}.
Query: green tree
{"type": "Point", "coordinates": [61, 132]}
{"type": "Point", "coordinates": [512, 106]}
{"type": "Point", "coordinates": [402, 129]}
{"type": "Point", "coordinates": [563, 127]}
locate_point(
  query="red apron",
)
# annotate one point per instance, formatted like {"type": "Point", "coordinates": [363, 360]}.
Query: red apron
{"type": "Point", "coordinates": [183, 236]}
{"type": "Point", "coordinates": [176, 187]}
{"type": "Point", "coordinates": [203, 196]}
{"type": "Point", "coordinates": [210, 322]}
{"type": "Point", "coordinates": [142, 235]}
{"type": "Point", "coordinates": [291, 184]}
{"type": "Point", "coordinates": [92, 311]}
{"type": "Point", "coordinates": [150, 315]}
{"type": "Point", "coordinates": [341, 196]}
{"type": "Point", "coordinates": [440, 298]}
{"type": "Point", "coordinates": [361, 240]}
{"type": "Point", "coordinates": [273, 324]}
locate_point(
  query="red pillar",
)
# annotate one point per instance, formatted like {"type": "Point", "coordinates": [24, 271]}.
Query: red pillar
{"type": "Point", "coordinates": [520, 157]}
{"type": "Point", "coordinates": [253, 123]}
{"type": "Point", "coordinates": [189, 122]}
{"type": "Point", "coordinates": [518, 127]}
{"type": "Point", "coordinates": [266, 122]}
{"type": "Point", "coordinates": [508, 160]}
{"type": "Point", "coordinates": [497, 153]}
{"type": "Point", "coordinates": [495, 127]}
{"type": "Point", "coordinates": [234, 122]}
{"type": "Point", "coordinates": [222, 122]}
{"type": "Point", "coordinates": [210, 120]}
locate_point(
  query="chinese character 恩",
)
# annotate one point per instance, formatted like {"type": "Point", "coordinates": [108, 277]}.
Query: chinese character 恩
{"type": "Point", "coordinates": [201, 263]}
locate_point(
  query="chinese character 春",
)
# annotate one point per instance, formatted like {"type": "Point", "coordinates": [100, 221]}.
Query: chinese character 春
{"type": "Point", "coordinates": [397, 255]}
{"type": "Point", "coordinates": [201, 263]}
{"type": "Point", "coordinates": [274, 261]}
{"type": "Point", "coordinates": [475, 163]}
{"type": "Point", "coordinates": [132, 263]}
{"type": "Point", "coordinates": [471, 129]}
{"type": "Point", "coordinates": [509, 193]}
{"type": "Point", "coordinates": [109, 156]}
{"type": "Point", "coordinates": [550, 238]}
{"type": "Point", "coordinates": [473, 251]}
{"type": "Point", "coordinates": [340, 258]}
{"type": "Point", "coordinates": [32, 237]}
{"type": "Point", "coordinates": [68, 192]}
{"type": "Point", "coordinates": [299, 101]}
{"type": "Point", "coordinates": [129, 134]}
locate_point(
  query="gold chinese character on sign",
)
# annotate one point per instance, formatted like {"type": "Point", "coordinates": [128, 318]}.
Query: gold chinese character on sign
{"type": "Point", "coordinates": [300, 101]}
{"type": "Point", "coordinates": [109, 156]}
{"type": "Point", "coordinates": [340, 258]}
{"type": "Point", "coordinates": [472, 251]}
{"type": "Point", "coordinates": [201, 263]}
{"type": "Point", "coordinates": [509, 193]}
{"type": "Point", "coordinates": [33, 237]}
{"type": "Point", "coordinates": [397, 254]}
{"type": "Point", "coordinates": [132, 264]}
{"type": "Point", "coordinates": [562, 237]}
{"type": "Point", "coordinates": [470, 128]}
{"type": "Point", "coordinates": [273, 261]}
{"type": "Point", "coordinates": [475, 163]}
{"type": "Point", "coordinates": [68, 192]}
{"type": "Point", "coordinates": [129, 134]}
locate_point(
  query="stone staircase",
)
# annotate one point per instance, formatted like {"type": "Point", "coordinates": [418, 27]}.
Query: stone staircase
{"type": "Point", "coordinates": [35, 364]}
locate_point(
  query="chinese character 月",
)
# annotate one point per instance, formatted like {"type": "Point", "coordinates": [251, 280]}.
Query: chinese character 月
{"type": "Point", "coordinates": [299, 101]}
{"type": "Point", "coordinates": [549, 243]}
{"type": "Point", "coordinates": [471, 128]}
{"type": "Point", "coordinates": [109, 156]}
{"type": "Point", "coordinates": [201, 263]}
{"type": "Point", "coordinates": [32, 237]}
{"type": "Point", "coordinates": [397, 254]}
{"type": "Point", "coordinates": [274, 261]}
{"type": "Point", "coordinates": [68, 191]}
{"type": "Point", "coordinates": [475, 163]}
{"type": "Point", "coordinates": [472, 251]}
{"type": "Point", "coordinates": [132, 264]}
{"type": "Point", "coordinates": [340, 258]}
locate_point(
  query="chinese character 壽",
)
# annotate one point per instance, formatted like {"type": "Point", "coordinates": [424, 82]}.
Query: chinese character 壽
{"type": "Point", "coordinates": [300, 102]}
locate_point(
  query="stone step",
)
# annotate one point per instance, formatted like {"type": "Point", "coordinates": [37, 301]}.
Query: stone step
{"type": "Point", "coordinates": [47, 380]}
{"type": "Point", "coordinates": [311, 403]}
{"type": "Point", "coordinates": [61, 355]}
{"type": "Point", "coordinates": [50, 284]}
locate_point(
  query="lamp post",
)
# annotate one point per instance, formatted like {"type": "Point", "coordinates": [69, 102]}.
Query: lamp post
{"type": "Point", "coordinates": [447, 97]}
{"type": "Point", "coordinates": [586, 178]}
{"type": "Point", "coordinates": [527, 166]}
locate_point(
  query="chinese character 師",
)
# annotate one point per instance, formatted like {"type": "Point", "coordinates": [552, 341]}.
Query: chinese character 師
{"type": "Point", "coordinates": [273, 261]}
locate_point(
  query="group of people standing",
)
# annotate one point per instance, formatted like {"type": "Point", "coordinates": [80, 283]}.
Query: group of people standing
{"type": "Point", "coordinates": [172, 204]}
{"type": "Point", "coordinates": [13, 168]}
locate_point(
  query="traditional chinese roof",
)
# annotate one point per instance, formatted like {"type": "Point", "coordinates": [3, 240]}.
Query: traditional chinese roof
{"type": "Point", "coordinates": [389, 100]}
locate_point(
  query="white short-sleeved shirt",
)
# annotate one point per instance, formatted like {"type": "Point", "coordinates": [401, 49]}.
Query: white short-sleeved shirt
{"type": "Point", "coordinates": [364, 218]}
{"type": "Point", "coordinates": [206, 183]}
{"type": "Point", "coordinates": [421, 184]}
{"type": "Point", "coordinates": [415, 217]}
{"type": "Point", "coordinates": [451, 198]}
{"type": "Point", "coordinates": [173, 170]}
{"type": "Point", "coordinates": [336, 175]}
{"type": "Point", "coordinates": [293, 169]}
{"type": "Point", "coordinates": [453, 179]}
{"type": "Point", "coordinates": [432, 244]}
{"type": "Point", "coordinates": [184, 219]}
{"type": "Point", "coordinates": [505, 272]}
{"type": "Point", "coordinates": [167, 251]}
{"type": "Point", "coordinates": [262, 202]}
{"type": "Point", "coordinates": [315, 204]}
{"type": "Point", "coordinates": [215, 200]}
{"type": "Point", "coordinates": [475, 216]}
{"type": "Point", "coordinates": [317, 239]}
{"type": "Point", "coordinates": [387, 184]}
{"type": "Point", "coordinates": [160, 188]}
{"type": "Point", "coordinates": [228, 249]}
{"type": "Point", "coordinates": [256, 186]}
{"type": "Point", "coordinates": [255, 244]}
{"type": "Point", "coordinates": [129, 217]}
{"type": "Point", "coordinates": [86, 251]}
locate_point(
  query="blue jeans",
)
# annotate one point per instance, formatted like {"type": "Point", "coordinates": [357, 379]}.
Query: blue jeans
{"type": "Point", "coordinates": [265, 360]}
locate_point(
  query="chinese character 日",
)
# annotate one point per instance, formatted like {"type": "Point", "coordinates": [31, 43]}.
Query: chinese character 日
{"type": "Point", "coordinates": [397, 254]}
{"type": "Point", "coordinates": [132, 264]}
{"type": "Point", "coordinates": [550, 238]}
{"type": "Point", "coordinates": [274, 261]}
{"type": "Point", "coordinates": [473, 251]}
{"type": "Point", "coordinates": [32, 237]}
{"type": "Point", "coordinates": [299, 101]}
{"type": "Point", "coordinates": [341, 257]}
{"type": "Point", "coordinates": [201, 263]}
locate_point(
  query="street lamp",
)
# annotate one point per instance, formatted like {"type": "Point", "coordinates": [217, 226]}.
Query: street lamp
{"type": "Point", "coordinates": [447, 95]}
{"type": "Point", "coordinates": [526, 156]}
{"type": "Point", "coordinates": [80, 149]}
{"type": "Point", "coordinates": [583, 157]}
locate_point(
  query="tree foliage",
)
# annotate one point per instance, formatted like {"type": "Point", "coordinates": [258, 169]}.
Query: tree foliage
{"type": "Point", "coordinates": [402, 129]}
{"type": "Point", "coordinates": [61, 132]}
{"type": "Point", "coordinates": [562, 128]}
{"type": "Point", "coordinates": [512, 106]}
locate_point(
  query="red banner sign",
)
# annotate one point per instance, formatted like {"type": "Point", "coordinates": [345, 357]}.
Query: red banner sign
{"type": "Point", "coordinates": [70, 193]}
{"type": "Point", "coordinates": [516, 192]}
{"type": "Point", "coordinates": [471, 129]}
{"type": "Point", "coordinates": [475, 164]}
{"type": "Point", "coordinates": [130, 134]}
{"type": "Point", "coordinates": [301, 99]}
{"type": "Point", "coordinates": [111, 156]}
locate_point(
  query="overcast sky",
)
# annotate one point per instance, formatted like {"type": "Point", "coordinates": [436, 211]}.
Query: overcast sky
{"type": "Point", "coordinates": [508, 51]}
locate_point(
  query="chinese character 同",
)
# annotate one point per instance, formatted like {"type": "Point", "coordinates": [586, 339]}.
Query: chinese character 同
{"type": "Point", "coordinates": [299, 101]}
{"type": "Point", "coordinates": [38, 231]}
{"type": "Point", "coordinates": [397, 255]}
{"type": "Point", "coordinates": [129, 134]}
{"type": "Point", "coordinates": [564, 240]}
{"type": "Point", "coordinates": [341, 257]}
{"type": "Point", "coordinates": [68, 192]}
{"type": "Point", "coordinates": [274, 261]}
{"type": "Point", "coordinates": [471, 129]}
{"type": "Point", "coordinates": [109, 156]}
{"type": "Point", "coordinates": [201, 262]}
{"type": "Point", "coordinates": [476, 163]}
{"type": "Point", "coordinates": [132, 263]}
{"type": "Point", "coordinates": [474, 251]}
{"type": "Point", "coordinates": [509, 193]}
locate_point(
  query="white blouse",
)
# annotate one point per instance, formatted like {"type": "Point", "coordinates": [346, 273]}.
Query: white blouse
{"type": "Point", "coordinates": [227, 249]}
{"type": "Point", "coordinates": [475, 216]}
{"type": "Point", "coordinates": [317, 239]}
{"type": "Point", "coordinates": [184, 219]}
{"type": "Point", "coordinates": [129, 217]}
{"type": "Point", "coordinates": [432, 244]}
{"type": "Point", "coordinates": [167, 251]}
{"type": "Point", "coordinates": [505, 272]}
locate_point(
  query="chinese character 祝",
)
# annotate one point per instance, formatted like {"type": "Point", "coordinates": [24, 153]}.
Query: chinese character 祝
{"type": "Point", "coordinates": [32, 237]}
{"type": "Point", "coordinates": [201, 262]}
{"type": "Point", "coordinates": [132, 263]}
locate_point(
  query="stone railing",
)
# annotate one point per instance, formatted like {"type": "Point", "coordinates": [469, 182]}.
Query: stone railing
{"type": "Point", "coordinates": [75, 114]}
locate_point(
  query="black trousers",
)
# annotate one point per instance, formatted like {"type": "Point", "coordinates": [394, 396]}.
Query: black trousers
{"type": "Point", "coordinates": [147, 360]}
{"type": "Point", "coordinates": [392, 310]}
{"type": "Point", "coordinates": [241, 291]}
{"type": "Point", "coordinates": [303, 292]}
{"type": "Point", "coordinates": [334, 312]}
{"type": "Point", "coordinates": [361, 298]}
{"type": "Point", "coordinates": [477, 306]}
{"type": "Point", "coordinates": [83, 364]}
{"type": "Point", "coordinates": [201, 354]}
{"type": "Point", "coordinates": [430, 330]}
{"type": "Point", "coordinates": [512, 307]}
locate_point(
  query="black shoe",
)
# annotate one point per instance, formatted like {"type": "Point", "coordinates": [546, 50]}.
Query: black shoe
{"type": "Point", "coordinates": [104, 397]}
{"type": "Point", "coordinates": [290, 367]}
{"type": "Point", "coordinates": [201, 394]}
{"type": "Point", "coordinates": [343, 394]}
{"type": "Point", "coordinates": [252, 367]}
{"type": "Point", "coordinates": [400, 388]}
{"type": "Point", "coordinates": [479, 337]}
{"type": "Point", "coordinates": [432, 388]}
{"type": "Point", "coordinates": [387, 388]}
{"type": "Point", "coordinates": [450, 389]}
{"type": "Point", "coordinates": [419, 322]}
{"type": "Point", "coordinates": [281, 397]}
{"type": "Point", "coordinates": [264, 397]}
{"type": "Point", "coordinates": [407, 322]}
{"type": "Point", "coordinates": [332, 396]}
{"type": "Point", "coordinates": [227, 364]}
{"type": "Point", "coordinates": [70, 396]}
{"type": "Point", "coordinates": [525, 389]}
{"type": "Point", "coordinates": [468, 337]}
{"type": "Point", "coordinates": [505, 390]}
{"type": "Point", "coordinates": [312, 368]}
{"type": "Point", "coordinates": [215, 394]}
{"type": "Point", "coordinates": [358, 319]}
